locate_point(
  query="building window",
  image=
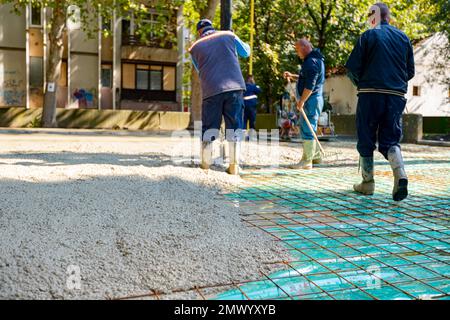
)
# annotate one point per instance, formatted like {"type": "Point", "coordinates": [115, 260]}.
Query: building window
{"type": "Point", "coordinates": [156, 78]}
{"type": "Point", "coordinates": [106, 25]}
{"type": "Point", "coordinates": [36, 15]}
{"type": "Point", "coordinates": [148, 81]}
{"type": "Point", "coordinates": [106, 76]}
{"type": "Point", "coordinates": [148, 77]}
{"type": "Point", "coordinates": [128, 37]}
{"type": "Point", "coordinates": [152, 21]}
{"type": "Point", "coordinates": [36, 72]}
{"type": "Point", "coordinates": [132, 33]}
{"type": "Point", "coordinates": [416, 91]}
{"type": "Point", "coordinates": [142, 78]}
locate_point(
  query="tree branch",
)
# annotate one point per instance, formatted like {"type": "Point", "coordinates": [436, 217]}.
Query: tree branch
{"type": "Point", "coordinates": [311, 13]}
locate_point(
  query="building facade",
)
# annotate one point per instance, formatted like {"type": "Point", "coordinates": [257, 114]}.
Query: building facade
{"type": "Point", "coordinates": [115, 72]}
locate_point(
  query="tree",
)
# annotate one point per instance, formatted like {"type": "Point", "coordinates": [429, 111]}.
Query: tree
{"type": "Point", "coordinates": [332, 26]}
{"type": "Point", "coordinates": [89, 9]}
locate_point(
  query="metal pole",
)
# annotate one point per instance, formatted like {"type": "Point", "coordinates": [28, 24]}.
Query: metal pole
{"type": "Point", "coordinates": [252, 32]}
{"type": "Point", "coordinates": [99, 84]}
{"type": "Point", "coordinates": [27, 53]}
{"type": "Point", "coordinates": [45, 44]}
{"type": "Point", "coordinates": [225, 14]}
{"type": "Point", "coordinates": [180, 60]}
{"type": "Point", "coordinates": [69, 70]}
{"type": "Point", "coordinates": [115, 23]}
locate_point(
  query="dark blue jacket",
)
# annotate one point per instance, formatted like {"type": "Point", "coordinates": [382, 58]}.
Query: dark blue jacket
{"type": "Point", "coordinates": [382, 61]}
{"type": "Point", "coordinates": [251, 94]}
{"type": "Point", "coordinates": [312, 74]}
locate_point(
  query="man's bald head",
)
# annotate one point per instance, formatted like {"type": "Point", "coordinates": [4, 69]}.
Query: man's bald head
{"type": "Point", "coordinates": [303, 47]}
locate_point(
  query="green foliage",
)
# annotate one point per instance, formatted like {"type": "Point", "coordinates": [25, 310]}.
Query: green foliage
{"type": "Point", "coordinates": [333, 26]}
{"type": "Point", "coordinates": [35, 123]}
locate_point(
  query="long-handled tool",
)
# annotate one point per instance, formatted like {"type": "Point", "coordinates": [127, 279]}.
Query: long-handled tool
{"type": "Point", "coordinates": [307, 121]}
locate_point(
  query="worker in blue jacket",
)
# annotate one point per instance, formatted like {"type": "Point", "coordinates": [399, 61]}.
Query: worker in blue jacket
{"type": "Point", "coordinates": [310, 92]}
{"type": "Point", "coordinates": [380, 65]}
{"type": "Point", "coordinates": [251, 102]}
{"type": "Point", "coordinates": [215, 57]}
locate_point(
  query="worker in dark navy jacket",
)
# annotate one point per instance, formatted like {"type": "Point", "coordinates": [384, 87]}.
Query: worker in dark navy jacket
{"type": "Point", "coordinates": [251, 102]}
{"type": "Point", "coordinates": [380, 65]}
{"type": "Point", "coordinates": [310, 98]}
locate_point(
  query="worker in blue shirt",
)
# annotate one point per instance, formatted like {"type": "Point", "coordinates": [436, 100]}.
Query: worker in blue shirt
{"type": "Point", "coordinates": [310, 90]}
{"type": "Point", "coordinates": [215, 57]}
{"type": "Point", "coordinates": [251, 102]}
{"type": "Point", "coordinates": [380, 65]}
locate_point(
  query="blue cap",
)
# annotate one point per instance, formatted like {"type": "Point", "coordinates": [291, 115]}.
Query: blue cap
{"type": "Point", "coordinates": [203, 24]}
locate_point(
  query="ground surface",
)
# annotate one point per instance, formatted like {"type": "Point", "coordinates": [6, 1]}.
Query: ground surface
{"type": "Point", "coordinates": [118, 208]}
{"type": "Point", "coordinates": [133, 212]}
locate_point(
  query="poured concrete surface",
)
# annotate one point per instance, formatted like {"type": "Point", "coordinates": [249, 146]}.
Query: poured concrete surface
{"type": "Point", "coordinates": [135, 215]}
{"type": "Point", "coordinates": [346, 246]}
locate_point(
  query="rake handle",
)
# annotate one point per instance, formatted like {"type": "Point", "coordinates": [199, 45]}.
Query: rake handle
{"type": "Point", "coordinates": [312, 130]}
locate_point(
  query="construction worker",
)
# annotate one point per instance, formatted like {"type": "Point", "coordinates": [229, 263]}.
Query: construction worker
{"type": "Point", "coordinates": [310, 90]}
{"type": "Point", "coordinates": [215, 57]}
{"type": "Point", "coordinates": [251, 101]}
{"type": "Point", "coordinates": [380, 65]}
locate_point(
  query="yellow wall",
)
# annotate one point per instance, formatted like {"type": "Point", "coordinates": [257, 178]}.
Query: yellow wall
{"type": "Point", "coordinates": [107, 52]}
{"type": "Point", "coordinates": [36, 43]}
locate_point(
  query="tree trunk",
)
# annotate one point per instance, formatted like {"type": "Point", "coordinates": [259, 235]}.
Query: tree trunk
{"type": "Point", "coordinates": [196, 92]}
{"type": "Point", "coordinates": [55, 53]}
{"type": "Point", "coordinates": [322, 41]}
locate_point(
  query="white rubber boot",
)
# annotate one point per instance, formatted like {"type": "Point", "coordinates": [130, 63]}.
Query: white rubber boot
{"type": "Point", "coordinates": [367, 186]}
{"type": "Point", "coordinates": [206, 152]}
{"type": "Point", "coordinates": [252, 135]}
{"type": "Point", "coordinates": [234, 147]}
{"type": "Point", "coordinates": [400, 190]}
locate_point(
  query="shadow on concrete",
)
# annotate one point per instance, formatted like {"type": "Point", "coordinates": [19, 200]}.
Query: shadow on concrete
{"type": "Point", "coordinates": [73, 158]}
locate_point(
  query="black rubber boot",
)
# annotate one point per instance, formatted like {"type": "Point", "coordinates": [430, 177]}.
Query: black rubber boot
{"type": "Point", "coordinates": [400, 190]}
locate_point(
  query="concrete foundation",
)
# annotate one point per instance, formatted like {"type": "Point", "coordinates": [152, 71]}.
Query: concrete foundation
{"type": "Point", "coordinates": [164, 120]}
{"type": "Point", "coordinates": [97, 119]}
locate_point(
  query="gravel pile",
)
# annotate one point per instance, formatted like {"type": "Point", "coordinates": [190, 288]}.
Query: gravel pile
{"type": "Point", "coordinates": [129, 219]}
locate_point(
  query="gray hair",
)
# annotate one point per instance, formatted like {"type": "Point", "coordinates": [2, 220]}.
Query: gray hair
{"type": "Point", "coordinates": [304, 42]}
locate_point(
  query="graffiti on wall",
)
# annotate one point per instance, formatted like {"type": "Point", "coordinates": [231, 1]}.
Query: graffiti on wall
{"type": "Point", "coordinates": [85, 98]}
{"type": "Point", "coordinates": [12, 91]}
